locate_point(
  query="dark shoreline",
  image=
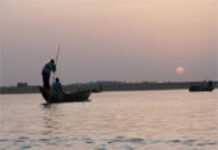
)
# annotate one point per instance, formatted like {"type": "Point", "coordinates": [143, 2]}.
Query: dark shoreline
{"type": "Point", "coordinates": [102, 86]}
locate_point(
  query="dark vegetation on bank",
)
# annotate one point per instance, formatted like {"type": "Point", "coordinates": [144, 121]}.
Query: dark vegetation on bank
{"type": "Point", "coordinates": [101, 86]}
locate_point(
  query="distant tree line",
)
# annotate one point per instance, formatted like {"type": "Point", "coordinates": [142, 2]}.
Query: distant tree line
{"type": "Point", "coordinates": [100, 86]}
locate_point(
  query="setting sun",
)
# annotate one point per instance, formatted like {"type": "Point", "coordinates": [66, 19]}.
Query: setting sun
{"type": "Point", "coordinates": [180, 70]}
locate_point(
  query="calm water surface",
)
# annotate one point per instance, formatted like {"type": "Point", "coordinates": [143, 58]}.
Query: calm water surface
{"type": "Point", "coordinates": [149, 120]}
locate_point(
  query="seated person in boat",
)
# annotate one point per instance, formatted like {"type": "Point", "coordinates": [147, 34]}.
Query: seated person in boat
{"type": "Point", "coordinates": [46, 72]}
{"type": "Point", "coordinates": [56, 90]}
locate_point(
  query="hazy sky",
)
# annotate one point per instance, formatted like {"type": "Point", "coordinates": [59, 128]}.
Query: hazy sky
{"type": "Point", "coordinates": [109, 40]}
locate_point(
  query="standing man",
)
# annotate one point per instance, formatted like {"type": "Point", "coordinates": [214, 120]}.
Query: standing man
{"type": "Point", "coordinates": [46, 73]}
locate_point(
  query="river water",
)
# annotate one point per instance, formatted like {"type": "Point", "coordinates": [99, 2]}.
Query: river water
{"type": "Point", "coordinates": [145, 120]}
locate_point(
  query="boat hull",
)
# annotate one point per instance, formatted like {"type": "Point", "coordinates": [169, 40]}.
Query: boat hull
{"type": "Point", "coordinates": [79, 96]}
{"type": "Point", "coordinates": [200, 89]}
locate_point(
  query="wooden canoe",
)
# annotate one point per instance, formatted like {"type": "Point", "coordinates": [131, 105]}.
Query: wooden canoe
{"type": "Point", "coordinates": [79, 96]}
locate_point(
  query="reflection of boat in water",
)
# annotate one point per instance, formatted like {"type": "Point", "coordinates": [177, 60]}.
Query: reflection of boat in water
{"type": "Point", "coordinates": [202, 87]}
{"type": "Point", "coordinates": [79, 96]}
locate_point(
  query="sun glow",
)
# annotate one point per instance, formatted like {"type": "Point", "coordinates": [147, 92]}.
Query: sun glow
{"type": "Point", "coordinates": [180, 70]}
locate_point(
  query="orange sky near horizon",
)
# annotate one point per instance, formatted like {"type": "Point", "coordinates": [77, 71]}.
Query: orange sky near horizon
{"type": "Point", "coordinates": [126, 35]}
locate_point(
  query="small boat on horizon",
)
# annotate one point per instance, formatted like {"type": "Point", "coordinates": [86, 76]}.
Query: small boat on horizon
{"type": "Point", "coordinates": [202, 87]}
{"type": "Point", "coordinates": [79, 96]}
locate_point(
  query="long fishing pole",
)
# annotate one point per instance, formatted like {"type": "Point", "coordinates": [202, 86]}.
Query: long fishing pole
{"type": "Point", "coordinates": [2, 66]}
{"type": "Point", "coordinates": [56, 60]}
{"type": "Point", "coordinates": [57, 56]}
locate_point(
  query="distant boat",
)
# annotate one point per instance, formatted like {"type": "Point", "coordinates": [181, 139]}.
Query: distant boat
{"type": "Point", "coordinates": [202, 87]}
{"type": "Point", "coordinates": [80, 96]}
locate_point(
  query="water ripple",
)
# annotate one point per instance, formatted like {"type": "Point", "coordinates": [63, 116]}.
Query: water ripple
{"type": "Point", "coordinates": [119, 142]}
